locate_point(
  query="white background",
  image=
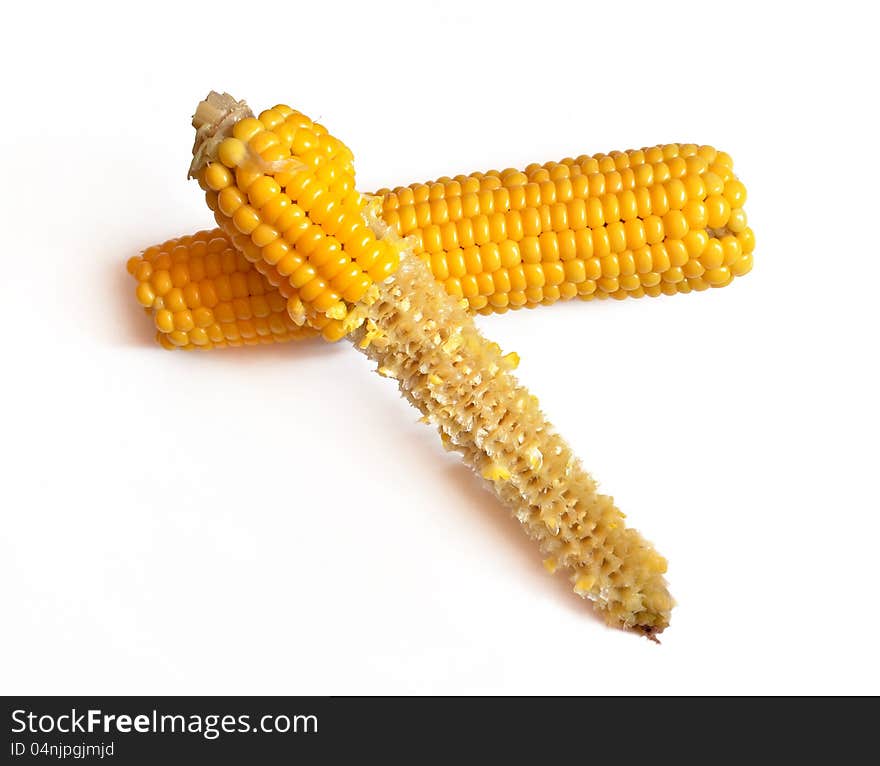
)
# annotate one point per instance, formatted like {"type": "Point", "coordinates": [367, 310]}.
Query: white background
{"type": "Point", "coordinates": [274, 520]}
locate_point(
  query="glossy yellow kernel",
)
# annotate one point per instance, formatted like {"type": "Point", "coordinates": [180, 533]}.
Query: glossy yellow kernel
{"type": "Point", "coordinates": [677, 167]}
{"type": "Point", "coordinates": [659, 200]}
{"type": "Point", "coordinates": [178, 338]}
{"type": "Point", "coordinates": [661, 172]}
{"type": "Point", "coordinates": [695, 187]}
{"type": "Point", "coordinates": [627, 262]}
{"type": "Point", "coordinates": [673, 275]}
{"type": "Point", "coordinates": [574, 271]}
{"type": "Point", "coordinates": [652, 227]}
{"type": "Point", "coordinates": [675, 224]}
{"type": "Point", "coordinates": [356, 290]}
{"type": "Point", "coordinates": [601, 242]}
{"type": "Point", "coordinates": [231, 152]}
{"type": "Point", "coordinates": [455, 262]}
{"type": "Point", "coordinates": [718, 277]}
{"type": "Point", "coordinates": [550, 294]}
{"type": "Point", "coordinates": [501, 279]}
{"type": "Point", "coordinates": [595, 184]}
{"type": "Point", "coordinates": [247, 128]}
{"type": "Point", "coordinates": [583, 242]}
{"type": "Point", "coordinates": [696, 213]}
{"type": "Point", "coordinates": [629, 282]}
{"type": "Point", "coordinates": [509, 254]}
{"type": "Point", "coordinates": [712, 256]}
{"type": "Point", "coordinates": [616, 236]}
{"type": "Point", "coordinates": [718, 209]}
{"type": "Point", "coordinates": [472, 262]}
{"type": "Point", "coordinates": [554, 273]}
{"type": "Point", "coordinates": [183, 320]}
{"type": "Point", "coordinates": [549, 245]}
{"type": "Point", "coordinates": [485, 284]}
{"type": "Point", "coordinates": [676, 193]}
{"type": "Point", "coordinates": [653, 154]}
{"type": "Point", "coordinates": [644, 175]}
{"type": "Point", "coordinates": [610, 266]}
{"type": "Point", "coordinates": [173, 300]}
{"type": "Point", "coordinates": [246, 219]}
{"type": "Point", "coordinates": [386, 266]}
{"type": "Point", "coordinates": [217, 176]}
{"type": "Point", "coordinates": [707, 153]}
{"type": "Point", "coordinates": [303, 275]}
{"type": "Point", "coordinates": [695, 241]}
{"type": "Point", "coordinates": [490, 256]}
{"type": "Point", "coordinates": [608, 284]}
{"type": "Point", "coordinates": [263, 235]}
{"type": "Point", "coordinates": [203, 317]}
{"type": "Point", "coordinates": [643, 260]}
{"type": "Point", "coordinates": [534, 274]}
{"type": "Point", "coordinates": [465, 229]}
{"type": "Point", "coordinates": [345, 278]}
{"type": "Point", "coordinates": [737, 221]}
{"type": "Point", "coordinates": [229, 200]}
{"type": "Point", "coordinates": [732, 249]}
{"type": "Point", "coordinates": [432, 239]}
{"type": "Point", "coordinates": [693, 269]}
{"type": "Point", "coordinates": [482, 233]}
{"type": "Point", "coordinates": [595, 213]}
{"type": "Point", "coordinates": [274, 251]}
{"type": "Point", "coordinates": [263, 190]}
{"type": "Point", "coordinates": [610, 208]}
{"type": "Point", "coordinates": [325, 301]}
{"type": "Point", "coordinates": [530, 250]}
{"type": "Point", "coordinates": [661, 257]}
{"type": "Point", "coordinates": [636, 234]}
{"type": "Point", "coordinates": [145, 294]}
{"type": "Point", "coordinates": [439, 211]}
{"type": "Point", "coordinates": [613, 182]}
{"type": "Point", "coordinates": [746, 240]}
{"type": "Point", "coordinates": [713, 183]}
{"type": "Point", "coordinates": [261, 141]}
{"type": "Point", "coordinates": [696, 165]}
{"type": "Point", "coordinates": [558, 216]}
{"type": "Point", "coordinates": [306, 145]}
{"type": "Point", "coordinates": [722, 171]}
{"type": "Point", "coordinates": [567, 244]}
{"type": "Point", "coordinates": [517, 276]}
{"type": "Point", "coordinates": [742, 266]}
{"type": "Point", "coordinates": [179, 274]}
{"type": "Point", "coordinates": [735, 193]}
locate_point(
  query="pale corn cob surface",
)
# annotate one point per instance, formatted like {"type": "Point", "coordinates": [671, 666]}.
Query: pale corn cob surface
{"type": "Point", "coordinates": [461, 383]}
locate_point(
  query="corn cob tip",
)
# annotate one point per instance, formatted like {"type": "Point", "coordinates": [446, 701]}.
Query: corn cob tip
{"type": "Point", "coordinates": [213, 119]}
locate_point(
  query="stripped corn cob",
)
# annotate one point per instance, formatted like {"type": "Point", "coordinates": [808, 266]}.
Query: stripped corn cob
{"type": "Point", "coordinates": [421, 335]}
{"type": "Point", "coordinates": [524, 238]}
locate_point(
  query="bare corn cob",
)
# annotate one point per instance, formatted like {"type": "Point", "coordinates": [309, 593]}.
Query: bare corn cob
{"type": "Point", "coordinates": [553, 232]}
{"type": "Point", "coordinates": [422, 336]}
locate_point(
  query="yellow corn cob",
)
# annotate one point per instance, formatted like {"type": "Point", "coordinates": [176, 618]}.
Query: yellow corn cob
{"type": "Point", "coordinates": [558, 214]}
{"type": "Point", "coordinates": [421, 335]}
{"type": "Point", "coordinates": [663, 219]}
{"type": "Point", "coordinates": [202, 293]}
